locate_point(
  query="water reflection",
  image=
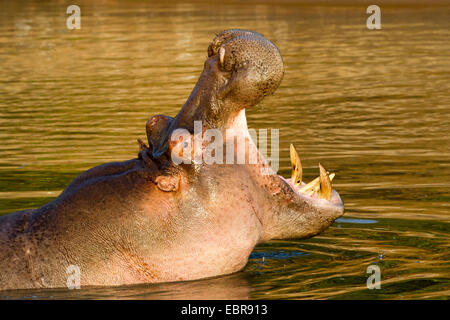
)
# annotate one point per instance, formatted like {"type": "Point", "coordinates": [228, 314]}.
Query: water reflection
{"type": "Point", "coordinates": [233, 286]}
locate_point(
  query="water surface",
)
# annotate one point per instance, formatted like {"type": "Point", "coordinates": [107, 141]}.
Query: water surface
{"type": "Point", "coordinates": [372, 106]}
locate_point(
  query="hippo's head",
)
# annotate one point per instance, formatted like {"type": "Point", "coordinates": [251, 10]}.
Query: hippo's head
{"type": "Point", "coordinates": [198, 152]}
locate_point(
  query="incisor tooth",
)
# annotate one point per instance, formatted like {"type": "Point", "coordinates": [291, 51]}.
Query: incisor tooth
{"type": "Point", "coordinates": [313, 185]}
{"type": "Point", "coordinates": [310, 185]}
{"type": "Point", "coordinates": [297, 169]}
{"type": "Point", "coordinates": [316, 187]}
{"type": "Point", "coordinates": [325, 184]}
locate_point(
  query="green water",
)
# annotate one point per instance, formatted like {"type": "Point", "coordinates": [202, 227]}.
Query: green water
{"type": "Point", "coordinates": [371, 105]}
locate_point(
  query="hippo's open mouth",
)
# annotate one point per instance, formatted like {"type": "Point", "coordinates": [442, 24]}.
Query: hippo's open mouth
{"type": "Point", "coordinates": [318, 193]}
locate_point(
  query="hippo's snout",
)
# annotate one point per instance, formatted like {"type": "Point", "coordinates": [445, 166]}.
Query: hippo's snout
{"type": "Point", "coordinates": [254, 62]}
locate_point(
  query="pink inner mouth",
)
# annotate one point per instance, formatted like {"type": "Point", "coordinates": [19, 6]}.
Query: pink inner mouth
{"type": "Point", "coordinates": [319, 191]}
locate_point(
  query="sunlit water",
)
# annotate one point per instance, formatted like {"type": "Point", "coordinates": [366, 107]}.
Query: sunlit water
{"type": "Point", "coordinates": [371, 105]}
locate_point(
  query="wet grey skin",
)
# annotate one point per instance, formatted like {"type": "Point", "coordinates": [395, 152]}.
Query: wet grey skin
{"type": "Point", "coordinates": [150, 219]}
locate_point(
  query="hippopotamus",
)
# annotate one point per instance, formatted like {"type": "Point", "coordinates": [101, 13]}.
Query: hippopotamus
{"type": "Point", "coordinates": [163, 216]}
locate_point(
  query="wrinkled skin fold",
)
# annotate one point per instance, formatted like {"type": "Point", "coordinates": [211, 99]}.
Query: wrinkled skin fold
{"type": "Point", "coordinates": [150, 219]}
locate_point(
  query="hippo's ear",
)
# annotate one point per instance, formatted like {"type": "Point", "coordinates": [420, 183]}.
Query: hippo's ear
{"type": "Point", "coordinates": [168, 183]}
{"type": "Point", "coordinates": [156, 127]}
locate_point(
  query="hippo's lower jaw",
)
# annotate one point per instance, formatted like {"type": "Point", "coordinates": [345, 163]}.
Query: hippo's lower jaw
{"type": "Point", "coordinates": [318, 192]}
{"type": "Point", "coordinates": [327, 210]}
{"type": "Point", "coordinates": [154, 219]}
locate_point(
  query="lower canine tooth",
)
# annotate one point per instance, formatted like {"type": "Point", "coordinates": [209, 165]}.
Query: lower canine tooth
{"type": "Point", "coordinates": [325, 184]}
{"type": "Point", "coordinates": [297, 169]}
